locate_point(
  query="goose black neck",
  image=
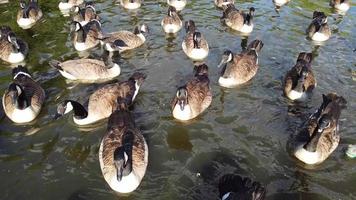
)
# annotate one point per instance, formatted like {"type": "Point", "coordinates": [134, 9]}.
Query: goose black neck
{"type": "Point", "coordinates": [79, 111]}
{"type": "Point", "coordinates": [312, 144]}
{"type": "Point", "coordinates": [81, 36]}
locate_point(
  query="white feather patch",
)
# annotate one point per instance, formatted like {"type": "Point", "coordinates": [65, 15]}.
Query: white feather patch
{"type": "Point", "coordinates": [185, 114]}
{"type": "Point", "coordinates": [198, 54]}
{"type": "Point", "coordinates": [307, 156]}
{"type": "Point", "coordinates": [293, 95]}
{"type": "Point", "coordinates": [65, 6]}
{"type": "Point", "coordinates": [342, 7]}
{"type": "Point", "coordinates": [246, 28]}
{"type": "Point", "coordinates": [228, 82]}
{"type": "Point", "coordinates": [320, 37]}
{"type": "Point", "coordinates": [171, 28]}
{"type": "Point", "coordinates": [16, 57]}
{"type": "Point", "coordinates": [25, 23]}
{"type": "Point", "coordinates": [23, 116]}
{"type": "Point", "coordinates": [80, 46]}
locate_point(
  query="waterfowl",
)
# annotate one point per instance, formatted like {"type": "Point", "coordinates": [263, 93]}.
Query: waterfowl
{"type": "Point", "coordinates": [341, 5]}
{"type": "Point", "coordinates": [29, 14]}
{"type": "Point", "coordinates": [171, 23]}
{"type": "Point", "coordinates": [131, 4]}
{"type": "Point", "coordinates": [125, 40]}
{"type": "Point", "coordinates": [193, 98]}
{"type": "Point", "coordinates": [178, 4]}
{"type": "Point", "coordinates": [239, 68]}
{"type": "Point", "coordinates": [123, 152]}
{"type": "Point", "coordinates": [85, 14]}
{"type": "Point", "coordinates": [300, 80]}
{"type": "Point", "coordinates": [279, 3]}
{"type": "Point", "coordinates": [221, 3]}
{"type": "Point", "coordinates": [319, 30]}
{"type": "Point", "coordinates": [238, 20]}
{"type": "Point", "coordinates": [66, 5]}
{"type": "Point", "coordinates": [86, 37]}
{"type": "Point", "coordinates": [102, 101]}
{"type": "Point", "coordinates": [320, 136]}
{"type": "Point", "coordinates": [234, 187]}
{"type": "Point", "coordinates": [12, 48]}
{"type": "Point", "coordinates": [194, 44]}
{"type": "Point", "coordinates": [87, 69]}
{"type": "Point", "coordinates": [23, 100]}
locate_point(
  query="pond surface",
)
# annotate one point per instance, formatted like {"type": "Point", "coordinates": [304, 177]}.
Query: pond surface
{"type": "Point", "coordinates": [244, 131]}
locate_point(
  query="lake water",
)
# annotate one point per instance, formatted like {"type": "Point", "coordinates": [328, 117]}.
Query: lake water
{"type": "Point", "coordinates": [244, 131]}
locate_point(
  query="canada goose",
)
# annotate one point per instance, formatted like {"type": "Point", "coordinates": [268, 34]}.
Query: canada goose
{"type": "Point", "coordinates": [194, 44]}
{"type": "Point", "coordinates": [12, 48]}
{"type": "Point", "coordinates": [86, 37]}
{"type": "Point", "coordinates": [300, 80]}
{"type": "Point", "coordinates": [279, 3]}
{"type": "Point", "coordinates": [87, 69]}
{"type": "Point", "coordinates": [319, 30]}
{"type": "Point", "coordinates": [85, 14]}
{"type": "Point", "coordinates": [102, 101]}
{"type": "Point", "coordinates": [341, 5]}
{"type": "Point", "coordinates": [221, 3]}
{"type": "Point", "coordinates": [178, 4]}
{"type": "Point", "coordinates": [194, 97]}
{"type": "Point", "coordinates": [171, 23]}
{"type": "Point", "coordinates": [238, 20]}
{"type": "Point", "coordinates": [320, 136]}
{"type": "Point", "coordinates": [68, 4]}
{"type": "Point", "coordinates": [234, 187]}
{"type": "Point", "coordinates": [123, 152]}
{"type": "Point", "coordinates": [239, 68]}
{"type": "Point", "coordinates": [130, 4]}
{"type": "Point", "coordinates": [29, 14]}
{"type": "Point", "coordinates": [125, 40]}
{"type": "Point", "coordinates": [23, 99]}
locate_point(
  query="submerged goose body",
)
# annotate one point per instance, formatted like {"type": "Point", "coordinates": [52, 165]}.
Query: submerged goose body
{"type": "Point", "coordinates": [319, 29]}
{"type": "Point", "coordinates": [300, 80]}
{"type": "Point", "coordinates": [123, 152]}
{"type": "Point", "coordinates": [102, 102]}
{"type": "Point", "coordinates": [23, 100]}
{"type": "Point", "coordinates": [178, 4]}
{"type": "Point", "coordinates": [171, 23]}
{"type": "Point", "coordinates": [87, 69]}
{"type": "Point", "coordinates": [86, 37]}
{"type": "Point", "coordinates": [320, 136]}
{"type": "Point", "coordinates": [238, 20]}
{"type": "Point", "coordinates": [340, 5]}
{"type": "Point", "coordinates": [193, 98]}
{"type": "Point", "coordinates": [221, 3]}
{"type": "Point", "coordinates": [194, 44]}
{"type": "Point", "coordinates": [29, 14]}
{"type": "Point", "coordinates": [234, 187]}
{"type": "Point", "coordinates": [85, 14]}
{"type": "Point", "coordinates": [125, 40]}
{"type": "Point", "coordinates": [131, 4]}
{"type": "Point", "coordinates": [240, 68]}
{"type": "Point", "coordinates": [12, 48]}
{"type": "Point", "coordinates": [66, 5]}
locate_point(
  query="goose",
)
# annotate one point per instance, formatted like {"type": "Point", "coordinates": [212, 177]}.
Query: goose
{"type": "Point", "coordinates": [125, 40]}
{"type": "Point", "coordinates": [279, 3]}
{"type": "Point", "coordinates": [87, 69]}
{"type": "Point", "coordinates": [131, 4]}
{"type": "Point", "coordinates": [319, 30]}
{"type": "Point", "coordinates": [123, 152]}
{"type": "Point", "coordinates": [12, 48]}
{"type": "Point", "coordinates": [171, 23]}
{"type": "Point", "coordinates": [221, 3]}
{"type": "Point", "coordinates": [194, 97]}
{"type": "Point", "coordinates": [238, 20]}
{"type": "Point", "coordinates": [300, 80]}
{"type": "Point", "coordinates": [29, 14]}
{"type": "Point", "coordinates": [194, 44]}
{"type": "Point", "coordinates": [239, 68]}
{"type": "Point", "coordinates": [66, 5]}
{"type": "Point", "coordinates": [86, 14]}
{"type": "Point", "coordinates": [234, 187]}
{"type": "Point", "coordinates": [86, 37]}
{"type": "Point", "coordinates": [102, 101]}
{"type": "Point", "coordinates": [178, 4]}
{"type": "Point", "coordinates": [23, 100]}
{"type": "Point", "coordinates": [340, 5]}
{"type": "Point", "coordinates": [320, 136]}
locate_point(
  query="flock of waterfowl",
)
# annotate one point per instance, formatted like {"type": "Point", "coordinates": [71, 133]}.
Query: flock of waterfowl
{"type": "Point", "coordinates": [123, 152]}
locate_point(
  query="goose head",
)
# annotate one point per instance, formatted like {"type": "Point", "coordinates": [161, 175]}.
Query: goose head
{"type": "Point", "coordinates": [324, 123]}
{"type": "Point", "coordinates": [182, 97]}
{"type": "Point", "coordinates": [171, 11]}
{"type": "Point", "coordinates": [138, 78]}
{"type": "Point", "coordinates": [17, 96]}
{"type": "Point", "coordinates": [197, 40]}
{"type": "Point", "coordinates": [123, 156]}
{"type": "Point", "coordinates": [200, 69]}
{"type": "Point", "coordinates": [68, 106]}
{"type": "Point", "coordinates": [11, 37]}
{"type": "Point", "coordinates": [189, 26]}
{"type": "Point", "coordinates": [249, 16]}
{"type": "Point", "coordinates": [303, 73]}
{"type": "Point", "coordinates": [255, 45]}
{"type": "Point", "coordinates": [227, 57]}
